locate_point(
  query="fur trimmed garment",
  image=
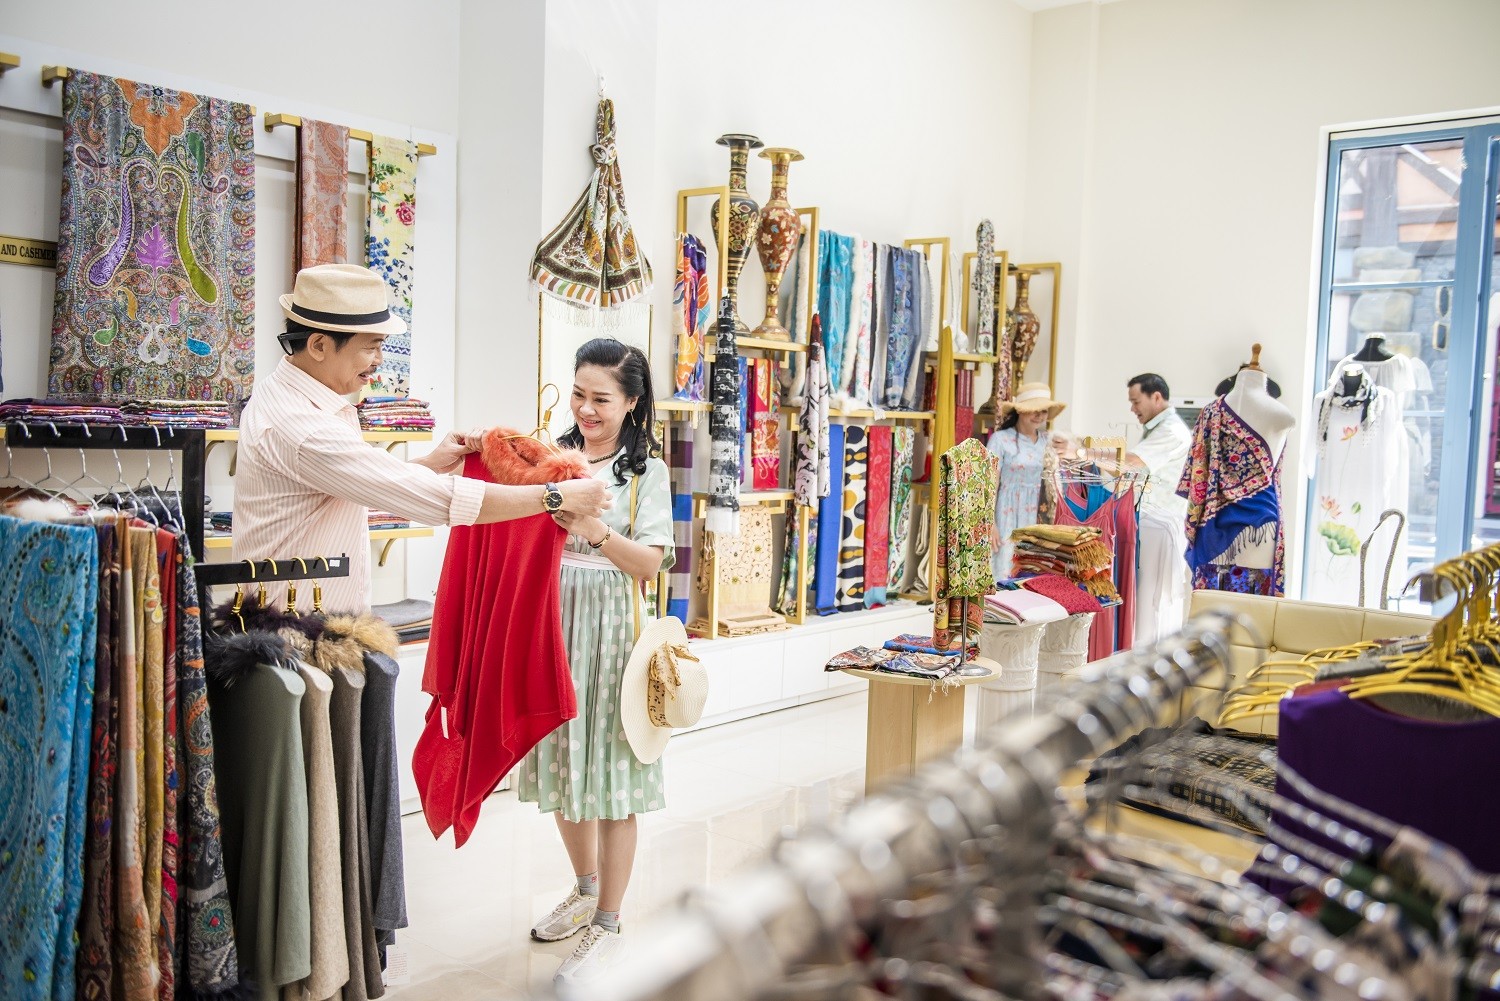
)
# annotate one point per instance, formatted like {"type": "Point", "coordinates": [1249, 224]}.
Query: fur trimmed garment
{"type": "Point", "coordinates": [497, 668]}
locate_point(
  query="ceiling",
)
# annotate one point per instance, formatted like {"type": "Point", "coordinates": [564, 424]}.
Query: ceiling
{"type": "Point", "coordinates": [1035, 5]}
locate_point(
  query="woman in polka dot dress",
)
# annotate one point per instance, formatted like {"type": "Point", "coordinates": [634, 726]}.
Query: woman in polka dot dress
{"type": "Point", "coordinates": [585, 773]}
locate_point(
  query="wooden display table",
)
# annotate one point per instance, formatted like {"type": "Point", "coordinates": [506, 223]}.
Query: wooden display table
{"type": "Point", "coordinates": [905, 727]}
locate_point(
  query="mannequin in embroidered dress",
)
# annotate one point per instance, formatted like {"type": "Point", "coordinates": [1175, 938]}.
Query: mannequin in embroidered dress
{"type": "Point", "coordinates": [1251, 399]}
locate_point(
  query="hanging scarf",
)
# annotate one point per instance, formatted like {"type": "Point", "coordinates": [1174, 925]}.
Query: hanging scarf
{"type": "Point", "coordinates": [390, 251]}
{"type": "Point", "coordinates": [48, 599]}
{"type": "Point", "coordinates": [835, 286]}
{"type": "Point", "coordinates": [854, 382]}
{"type": "Point", "coordinates": [1367, 399]}
{"type": "Point", "coordinates": [680, 577]}
{"type": "Point", "coordinates": [96, 923]}
{"type": "Point", "coordinates": [690, 317]}
{"type": "Point", "coordinates": [322, 194]}
{"type": "Point", "coordinates": [810, 480]}
{"type": "Point", "coordinates": [724, 429]}
{"type": "Point", "coordinates": [851, 570]}
{"type": "Point", "coordinates": [829, 530]}
{"type": "Point", "coordinates": [212, 967]}
{"type": "Point", "coordinates": [969, 476]}
{"type": "Point", "coordinates": [801, 307]}
{"type": "Point", "coordinates": [156, 245]}
{"type": "Point", "coordinates": [984, 285]}
{"type": "Point", "coordinates": [880, 325]}
{"type": "Point", "coordinates": [903, 443]}
{"type": "Point", "coordinates": [878, 518]}
{"type": "Point", "coordinates": [591, 259]}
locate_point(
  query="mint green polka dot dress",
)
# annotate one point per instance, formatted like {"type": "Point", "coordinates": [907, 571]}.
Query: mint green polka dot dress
{"type": "Point", "coordinates": [585, 769]}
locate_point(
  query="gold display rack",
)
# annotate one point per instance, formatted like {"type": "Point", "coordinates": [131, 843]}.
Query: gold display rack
{"type": "Point", "coordinates": [8, 61]}
{"type": "Point", "coordinates": [358, 135]}
{"type": "Point", "coordinates": [1055, 267]}
{"type": "Point", "coordinates": [386, 535]}
{"type": "Point", "coordinates": [777, 500]}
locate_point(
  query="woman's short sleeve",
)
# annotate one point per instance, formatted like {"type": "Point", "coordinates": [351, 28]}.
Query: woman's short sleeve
{"type": "Point", "coordinates": [653, 517]}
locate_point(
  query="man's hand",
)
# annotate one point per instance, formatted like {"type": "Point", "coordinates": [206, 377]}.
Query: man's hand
{"type": "Point", "coordinates": [449, 452]}
{"type": "Point", "coordinates": [589, 498]}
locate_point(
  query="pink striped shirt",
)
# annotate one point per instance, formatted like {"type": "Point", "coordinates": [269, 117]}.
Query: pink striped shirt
{"type": "Point", "coordinates": [306, 481]}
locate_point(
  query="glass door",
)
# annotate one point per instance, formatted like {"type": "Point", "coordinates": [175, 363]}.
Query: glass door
{"type": "Point", "coordinates": [1409, 219]}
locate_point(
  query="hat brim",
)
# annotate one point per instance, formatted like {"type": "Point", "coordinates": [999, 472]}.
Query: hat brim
{"type": "Point", "coordinates": [1053, 409]}
{"type": "Point", "coordinates": [647, 741]}
{"type": "Point", "coordinates": [391, 325]}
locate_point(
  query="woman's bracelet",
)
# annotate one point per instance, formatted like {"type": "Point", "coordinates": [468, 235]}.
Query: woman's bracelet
{"type": "Point", "coordinates": [600, 544]}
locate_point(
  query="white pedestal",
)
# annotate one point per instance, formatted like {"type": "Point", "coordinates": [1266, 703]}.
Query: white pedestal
{"type": "Point", "coordinates": [1065, 644]}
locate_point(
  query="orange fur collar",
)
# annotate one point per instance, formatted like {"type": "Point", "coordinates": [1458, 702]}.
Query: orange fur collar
{"type": "Point", "coordinates": [520, 459]}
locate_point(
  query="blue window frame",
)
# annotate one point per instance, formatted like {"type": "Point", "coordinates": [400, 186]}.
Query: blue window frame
{"type": "Point", "coordinates": [1409, 252]}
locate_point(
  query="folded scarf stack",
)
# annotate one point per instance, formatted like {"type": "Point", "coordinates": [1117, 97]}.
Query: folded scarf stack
{"type": "Point", "coordinates": [178, 413]}
{"type": "Point", "coordinates": [1069, 551]}
{"type": "Point", "coordinates": [394, 413]}
{"type": "Point", "coordinates": [385, 520]}
{"type": "Point", "coordinates": [1065, 591]}
{"type": "Point", "coordinates": [59, 412]}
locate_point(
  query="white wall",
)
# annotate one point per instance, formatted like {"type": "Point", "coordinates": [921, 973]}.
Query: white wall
{"type": "Point", "coordinates": [912, 118]}
{"type": "Point", "coordinates": [1174, 169]}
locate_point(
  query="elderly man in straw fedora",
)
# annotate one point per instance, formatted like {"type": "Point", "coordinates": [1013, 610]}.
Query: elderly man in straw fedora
{"type": "Point", "coordinates": [306, 476]}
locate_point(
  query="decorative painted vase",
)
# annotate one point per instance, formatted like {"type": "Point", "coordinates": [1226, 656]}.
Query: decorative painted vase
{"type": "Point", "coordinates": [744, 217]}
{"type": "Point", "coordinates": [777, 241]}
{"type": "Point", "coordinates": [1024, 327]}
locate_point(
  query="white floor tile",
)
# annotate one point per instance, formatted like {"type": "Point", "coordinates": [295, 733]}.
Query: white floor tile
{"type": "Point", "coordinates": [732, 791]}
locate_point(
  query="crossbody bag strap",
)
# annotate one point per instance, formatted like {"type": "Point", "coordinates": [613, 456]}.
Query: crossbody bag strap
{"type": "Point", "coordinates": [635, 588]}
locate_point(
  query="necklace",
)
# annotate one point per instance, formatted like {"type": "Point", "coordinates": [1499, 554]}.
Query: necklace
{"type": "Point", "coordinates": [602, 458]}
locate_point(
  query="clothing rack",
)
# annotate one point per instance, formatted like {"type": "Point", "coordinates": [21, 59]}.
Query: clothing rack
{"type": "Point", "coordinates": [266, 571]}
{"type": "Point", "coordinates": [742, 940]}
{"type": "Point", "coordinates": [191, 442]}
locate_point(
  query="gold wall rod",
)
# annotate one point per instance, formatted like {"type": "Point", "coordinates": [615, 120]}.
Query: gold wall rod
{"type": "Point", "coordinates": [52, 74]}
{"type": "Point", "coordinates": [423, 149]}
{"type": "Point", "coordinates": [8, 61]}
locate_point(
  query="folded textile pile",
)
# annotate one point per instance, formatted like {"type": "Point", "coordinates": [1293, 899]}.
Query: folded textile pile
{"type": "Point", "coordinates": [1021, 608]}
{"type": "Point", "coordinates": [221, 521]}
{"type": "Point", "coordinates": [386, 520]}
{"type": "Point", "coordinates": [59, 412]}
{"type": "Point", "coordinates": [1075, 552]}
{"type": "Point", "coordinates": [394, 413]}
{"type": "Point", "coordinates": [912, 643]}
{"type": "Point", "coordinates": [178, 413]}
{"type": "Point", "coordinates": [1066, 592]}
{"type": "Point", "coordinates": [934, 667]}
{"type": "Point", "coordinates": [411, 618]}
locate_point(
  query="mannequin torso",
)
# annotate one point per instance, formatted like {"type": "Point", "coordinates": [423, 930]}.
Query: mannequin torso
{"type": "Point", "coordinates": [1256, 407]}
{"type": "Point", "coordinates": [1253, 403]}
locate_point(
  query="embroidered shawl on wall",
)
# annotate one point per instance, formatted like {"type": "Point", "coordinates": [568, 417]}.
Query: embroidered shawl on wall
{"type": "Point", "coordinates": [1232, 484]}
{"type": "Point", "coordinates": [322, 195]}
{"type": "Point", "coordinates": [390, 251]}
{"type": "Point", "coordinates": [984, 285]}
{"type": "Point", "coordinates": [48, 596]}
{"type": "Point", "coordinates": [156, 245]}
{"type": "Point", "coordinates": [591, 258]}
{"type": "Point", "coordinates": [690, 297]}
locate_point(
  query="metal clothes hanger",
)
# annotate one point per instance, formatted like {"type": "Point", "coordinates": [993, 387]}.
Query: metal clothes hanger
{"type": "Point", "coordinates": [542, 432]}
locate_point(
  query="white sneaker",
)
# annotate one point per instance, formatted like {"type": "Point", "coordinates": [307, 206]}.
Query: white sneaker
{"type": "Point", "coordinates": [567, 919]}
{"type": "Point", "coordinates": [592, 959]}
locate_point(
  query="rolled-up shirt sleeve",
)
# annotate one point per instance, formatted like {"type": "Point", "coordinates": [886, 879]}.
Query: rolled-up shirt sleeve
{"type": "Point", "coordinates": [348, 468]}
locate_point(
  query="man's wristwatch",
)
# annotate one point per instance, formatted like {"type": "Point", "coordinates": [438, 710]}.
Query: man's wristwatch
{"type": "Point", "coordinates": [552, 499]}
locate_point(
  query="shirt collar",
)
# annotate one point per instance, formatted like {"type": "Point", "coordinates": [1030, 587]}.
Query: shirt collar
{"type": "Point", "coordinates": [1156, 421]}
{"type": "Point", "coordinates": [320, 395]}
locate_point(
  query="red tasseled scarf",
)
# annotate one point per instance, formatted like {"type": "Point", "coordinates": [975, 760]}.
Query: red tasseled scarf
{"type": "Point", "coordinates": [497, 667]}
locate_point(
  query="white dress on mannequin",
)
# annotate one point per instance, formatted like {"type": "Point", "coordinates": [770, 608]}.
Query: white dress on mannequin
{"type": "Point", "coordinates": [1363, 454]}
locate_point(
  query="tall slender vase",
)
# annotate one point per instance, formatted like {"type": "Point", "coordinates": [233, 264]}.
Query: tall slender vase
{"type": "Point", "coordinates": [1024, 326]}
{"type": "Point", "coordinates": [744, 218]}
{"type": "Point", "coordinates": [777, 241]}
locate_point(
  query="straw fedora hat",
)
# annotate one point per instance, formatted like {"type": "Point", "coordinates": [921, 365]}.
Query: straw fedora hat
{"type": "Point", "coordinates": [663, 689]}
{"type": "Point", "coordinates": [1031, 397]}
{"type": "Point", "coordinates": [342, 298]}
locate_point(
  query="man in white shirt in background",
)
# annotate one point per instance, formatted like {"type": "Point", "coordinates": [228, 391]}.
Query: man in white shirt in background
{"type": "Point", "coordinates": [1162, 580]}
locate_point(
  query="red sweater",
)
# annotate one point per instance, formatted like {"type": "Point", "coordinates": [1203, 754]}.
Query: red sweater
{"type": "Point", "coordinates": [495, 660]}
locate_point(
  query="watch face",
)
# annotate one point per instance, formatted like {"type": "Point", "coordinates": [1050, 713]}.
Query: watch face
{"type": "Point", "coordinates": [552, 499]}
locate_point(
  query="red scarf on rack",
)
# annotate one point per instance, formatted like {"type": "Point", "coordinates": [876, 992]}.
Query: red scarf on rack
{"type": "Point", "coordinates": [497, 669]}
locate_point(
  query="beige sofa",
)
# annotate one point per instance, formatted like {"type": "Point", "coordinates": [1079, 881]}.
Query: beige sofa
{"type": "Point", "coordinates": [1282, 627]}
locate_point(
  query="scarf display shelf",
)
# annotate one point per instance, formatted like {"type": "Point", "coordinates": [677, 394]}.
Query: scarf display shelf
{"type": "Point", "coordinates": [191, 442]}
